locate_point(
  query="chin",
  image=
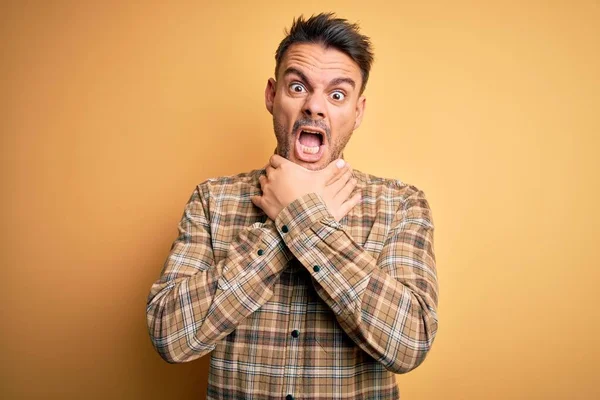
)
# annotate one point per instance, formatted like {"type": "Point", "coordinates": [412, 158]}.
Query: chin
{"type": "Point", "coordinates": [313, 166]}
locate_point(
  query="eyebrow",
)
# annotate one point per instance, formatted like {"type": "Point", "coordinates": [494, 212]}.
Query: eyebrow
{"type": "Point", "coordinates": [339, 81]}
{"type": "Point", "coordinates": [335, 82]}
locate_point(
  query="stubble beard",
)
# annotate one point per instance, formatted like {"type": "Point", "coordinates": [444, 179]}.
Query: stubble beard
{"type": "Point", "coordinates": [285, 139]}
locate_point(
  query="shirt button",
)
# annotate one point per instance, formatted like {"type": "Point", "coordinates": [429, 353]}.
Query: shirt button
{"type": "Point", "coordinates": [284, 229]}
{"type": "Point", "coordinates": [289, 397]}
{"type": "Point", "coordinates": [295, 333]}
{"type": "Point", "coordinates": [261, 252]}
{"type": "Point", "coordinates": [316, 268]}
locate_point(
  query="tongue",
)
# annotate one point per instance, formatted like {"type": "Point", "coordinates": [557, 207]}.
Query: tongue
{"type": "Point", "coordinates": [310, 139]}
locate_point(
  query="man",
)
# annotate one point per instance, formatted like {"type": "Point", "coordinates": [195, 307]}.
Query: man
{"type": "Point", "coordinates": [305, 279]}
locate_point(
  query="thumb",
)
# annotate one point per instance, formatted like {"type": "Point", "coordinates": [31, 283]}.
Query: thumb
{"type": "Point", "coordinates": [333, 169]}
{"type": "Point", "coordinates": [277, 161]}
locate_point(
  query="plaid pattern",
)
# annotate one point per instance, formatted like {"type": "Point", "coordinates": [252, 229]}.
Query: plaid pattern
{"type": "Point", "coordinates": [302, 306]}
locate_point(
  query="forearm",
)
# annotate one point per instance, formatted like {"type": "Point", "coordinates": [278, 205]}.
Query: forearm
{"type": "Point", "coordinates": [386, 306]}
{"type": "Point", "coordinates": [390, 320]}
{"type": "Point", "coordinates": [192, 307]}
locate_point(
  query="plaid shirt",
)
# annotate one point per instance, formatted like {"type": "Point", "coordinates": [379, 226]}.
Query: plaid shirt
{"type": "Point", "coordinates": [302, 307]}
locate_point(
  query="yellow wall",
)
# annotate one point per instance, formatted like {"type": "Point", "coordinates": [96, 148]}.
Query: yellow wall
{"type": "Point", "coordinates": [112, 111]}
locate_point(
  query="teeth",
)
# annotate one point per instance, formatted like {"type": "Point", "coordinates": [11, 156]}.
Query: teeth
{"type": "Point", "coordinates": [309, 150]}
{"type": "Point", "coordinates": [313, 132]}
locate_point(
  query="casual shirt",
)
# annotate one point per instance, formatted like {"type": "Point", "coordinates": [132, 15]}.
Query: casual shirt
{"type": "Point", "coordinates": [302, 307]}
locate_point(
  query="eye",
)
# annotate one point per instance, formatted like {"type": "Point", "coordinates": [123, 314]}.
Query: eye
{"type": "Point", "coordinates": [338, 95]}
{"type": "Point", "coordinates": [297, 88]}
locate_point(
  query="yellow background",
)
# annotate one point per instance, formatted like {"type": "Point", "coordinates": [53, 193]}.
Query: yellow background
{"type": "Point", "coordinates": [111, 113]}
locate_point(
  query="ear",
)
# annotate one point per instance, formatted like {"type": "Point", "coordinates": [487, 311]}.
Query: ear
{"type": "Point", "coordinates": [361, 104]}
{"type": "Point", "coordinates": [270, 91]}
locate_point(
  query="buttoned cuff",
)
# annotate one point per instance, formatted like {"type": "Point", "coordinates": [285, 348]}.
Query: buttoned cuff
{"type": "Point", "coordinates": [301, 214]}
{"type": "Point", "coordinates": [265, 254]}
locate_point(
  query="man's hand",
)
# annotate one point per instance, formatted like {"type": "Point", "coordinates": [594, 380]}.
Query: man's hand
{"type": "Point", "coordinates": [285, 182]}
{"type": "Point", "coordinates": [336, 193]}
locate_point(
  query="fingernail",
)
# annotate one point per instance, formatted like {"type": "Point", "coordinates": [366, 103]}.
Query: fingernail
{"type": "Point", "coordinates": [340, 163]}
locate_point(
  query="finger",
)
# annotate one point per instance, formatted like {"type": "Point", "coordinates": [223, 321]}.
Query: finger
{"type": "Point", "coordinates": [343, 174]}
{"type": "Point", "coordinates": [257, 201]}
{"type": "Point", "coordinates": [344, 193]}
{"type": "Point", "coordinates": [342, 182]}
{"type": "Point", "coordinates": [277, 161]}
{"type": "Point", "coordinates": [269, 170]}
{"type": "Point", "coordinates": [262, 180]}
{"type": "Point", "coordinates": [349, 205]}
{"type": "Point", "coordinates": [333, 170]}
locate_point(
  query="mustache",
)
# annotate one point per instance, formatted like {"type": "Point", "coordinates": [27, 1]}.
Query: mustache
{"type": "Point", "coordinates": [312, 123]}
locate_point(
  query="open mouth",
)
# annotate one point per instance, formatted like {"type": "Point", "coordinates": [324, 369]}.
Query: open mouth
{"type": "Point", "coordinates": [310, 144]}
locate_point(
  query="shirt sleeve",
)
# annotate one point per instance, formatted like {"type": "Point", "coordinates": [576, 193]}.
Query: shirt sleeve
{"type": "Point", "coordinates": [196, 302]}
{"type": "Point", "coordinates": [387, 306]}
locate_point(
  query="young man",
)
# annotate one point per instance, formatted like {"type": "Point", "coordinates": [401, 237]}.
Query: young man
{"type": "Point", "coordinates": [304, 279]}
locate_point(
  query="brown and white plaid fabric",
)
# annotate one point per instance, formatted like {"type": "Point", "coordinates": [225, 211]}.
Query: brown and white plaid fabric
{"type": "Point", "coordinates": [302, 307]}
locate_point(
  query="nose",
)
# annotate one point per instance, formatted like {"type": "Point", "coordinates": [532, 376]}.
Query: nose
{"type": "Point", "coordinates": [314, 107]}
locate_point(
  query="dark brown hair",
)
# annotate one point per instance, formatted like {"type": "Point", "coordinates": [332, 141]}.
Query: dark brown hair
{"type": "Point", "coordinates": [329, 31]}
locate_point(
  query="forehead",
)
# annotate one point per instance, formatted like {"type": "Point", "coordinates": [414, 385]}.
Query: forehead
{"type": "Point", "coordinates": [316, 61]}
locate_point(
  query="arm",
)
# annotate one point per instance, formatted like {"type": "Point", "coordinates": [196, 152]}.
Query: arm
{"type": "Point", "coordinates": [387, 306]}
{"type": "Point", "coordinates": [197, 302]}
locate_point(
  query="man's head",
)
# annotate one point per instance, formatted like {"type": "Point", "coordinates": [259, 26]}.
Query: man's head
{"type": "Point", "coordinates": [317, 101]}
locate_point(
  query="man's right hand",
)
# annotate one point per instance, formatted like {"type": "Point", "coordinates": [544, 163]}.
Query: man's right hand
{"type": "Point", "coordinates": [285, 182]}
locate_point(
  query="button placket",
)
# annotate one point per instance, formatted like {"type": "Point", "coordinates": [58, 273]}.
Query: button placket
{"type": "Point", "coordinates": [293, 370]}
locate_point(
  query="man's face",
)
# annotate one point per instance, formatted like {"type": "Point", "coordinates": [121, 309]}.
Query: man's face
{"type": "Point", "coordinates": [315, 103]}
